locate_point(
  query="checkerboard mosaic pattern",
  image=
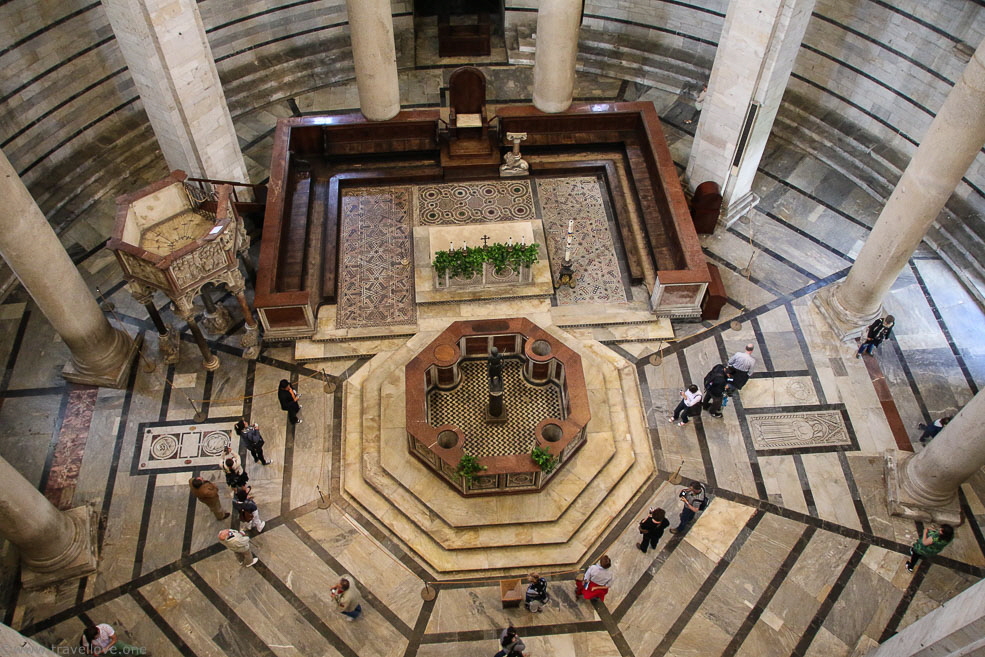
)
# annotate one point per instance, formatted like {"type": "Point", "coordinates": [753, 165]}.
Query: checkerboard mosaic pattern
{"type": "Point", "coordinates": [474, 202]}
{"type": "Point", "coordinates": [593, 253]}
{"type": "Point", "coordinates": [376, 280]}
{"type": "Point", "coordinates": [182, 447]}
{"type": "Point", "coordinates": [465, 407]}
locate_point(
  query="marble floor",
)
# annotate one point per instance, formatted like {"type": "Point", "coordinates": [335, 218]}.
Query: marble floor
{"type": "Point", "coordinates": [795, 555]}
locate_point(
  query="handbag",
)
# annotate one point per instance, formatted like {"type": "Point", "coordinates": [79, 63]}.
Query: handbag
{"type": "Point", "coordinates": [245, 516]}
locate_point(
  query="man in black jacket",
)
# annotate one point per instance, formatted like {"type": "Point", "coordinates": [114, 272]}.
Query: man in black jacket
{"type": "Point", "coordinates": [250, 433]}
{"type": "Point", "coordinates": [715, 381]}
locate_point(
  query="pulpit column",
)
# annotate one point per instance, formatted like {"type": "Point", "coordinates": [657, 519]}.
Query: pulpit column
{"type": "Point", "coordinates": [375, 58]}
{"type": "Point", "coordinates": [755, 55]}
{"type": "Point", "coordinates": [557, 48]}
{"type": "Point", "coordinates": [171, 63]}
{"type": "Point", "coordinates": [953, 139]}
{"type": "Point", "coordinates": [101, 355]}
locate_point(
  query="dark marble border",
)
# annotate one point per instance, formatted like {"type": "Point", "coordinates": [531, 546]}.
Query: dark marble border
{"type": "Point", "coordinates": [829, 601]}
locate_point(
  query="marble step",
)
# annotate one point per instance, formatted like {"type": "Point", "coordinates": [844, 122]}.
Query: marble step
{"type": "Point", "coordinates": [307, 351]}
{"type": "Point", "coordinates": [632, 333]}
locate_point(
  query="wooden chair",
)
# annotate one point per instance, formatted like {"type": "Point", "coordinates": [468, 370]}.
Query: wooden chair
{"type": "Point", "coordinates": [511, 592]}
{"type": "Point", "coordinates": [468, 128]}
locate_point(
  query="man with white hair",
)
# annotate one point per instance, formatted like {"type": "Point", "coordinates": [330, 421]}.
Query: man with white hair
{"type": "Point", "coordinates": [239, 544]}
{"type": "Point", "coordinates": [740, 365]}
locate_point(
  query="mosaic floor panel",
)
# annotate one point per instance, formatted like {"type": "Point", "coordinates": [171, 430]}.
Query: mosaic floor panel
{"type": "Point", "coordinates": [798, 430]}
{"type": "Point", "coordinates": [181, 447]}
{"type": "Point", "coordinates": [376, 280]}
{"type": "Point", "coordinates": [465, 406]}
{"type": "Point", "coordinates": [593, 252]}
{"type": "Point", "coordinates": [474, 202]}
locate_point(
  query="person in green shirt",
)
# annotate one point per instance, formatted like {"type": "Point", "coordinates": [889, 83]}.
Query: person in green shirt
{"type": "Point", "coordinates": [933, 542]}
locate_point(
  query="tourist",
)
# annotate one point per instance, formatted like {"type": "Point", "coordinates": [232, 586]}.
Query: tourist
{"type": "Point", "coordinates": [347, 599]}
{"type": "Point", "coordinates": [288, 397]}
{"type": "Point", "coordinates": [932, 542]}
{"type": "Point", "coordinates": [208, 494]}
{"type": "Point", "coordinates": [715, 382]}
{"type": "Point", "coordinates": [699, 101]}
{"type": "Point", "coordinates": [741, 364]}
{"type": "Point", "coordinates": [246, 510]}
{"type": "Point", "coordinates": [102, 640]}
{"type": "Point", "coordinates": [236, 476]}
{"type": "Point", "coordinates": [239, 544]}
{"type": "Point", "coordinates": [596, 581]}
{"type": "Point", "coordinates": [510, 643]}
{"type": "Point", "coordinates": [250, 433]}
{"type": "Point", "coordinates": [878, 331]}
{"type": "Point", "coordinates": [536, 595]}
{"type": "Point", "coordinates": [652, 528]}
{"type": "Point", "coordinates": [693, 500]}
{"type": "Point", "coordinates": [931, 430]}
{"type": "Point", "coordinates": [689, 406]}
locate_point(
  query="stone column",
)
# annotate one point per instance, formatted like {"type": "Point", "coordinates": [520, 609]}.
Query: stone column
{"type": "Point", "coordinates": [375, 58]}
{"type": "Point", "coordinates": [955, 628]}
{"type": "Point", "coordinates": [755, 55]}
{"type": "Point", "coordinates": [169, 58]}
{"type": "Point", "coordinates": [53, 544]}
{"type": "Point", "coordinates": [926, 486]}
{"type": "Point", "coordinates": [557, 48]}
{"type": "Point", "coordinates": [101, 355]}
{"type": "Point", "coordinates": [954, 138]}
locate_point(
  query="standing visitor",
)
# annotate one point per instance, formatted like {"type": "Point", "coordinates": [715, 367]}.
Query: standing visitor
{"type": "Point", "coordinates": [652, 528]}
{"type": "Point", "coordinates": [288, 397]}
{"type": "Point", "coordinates": [208, 494]}
{"type": "Point", "coordinates": [250, 433]}
{"type": "Point", "coordinates": [715, 381]}
{"type": "Point", "coordinates": [102, 640]}
{"type": "Point", "coordinates": [246, 510]}
{"type": "Point", "coordinates": [878, 331]}
{"type": "Point", "coordinates": [347, 598]}
{"type": "Point", "coordinates": [931, 430]}
{"type": "Point", "coordinates": [510, 644]}
{"type": "Point", "coordinates": [689, 406]}
{"type": "Point", "coordinates": [932, 542]}
{"type": "Point", "coordinates": [740, 366]}
{"type": "Point", "coordinates": [239, 544]}
{"type": "Point", "coordinates": [693, 500]}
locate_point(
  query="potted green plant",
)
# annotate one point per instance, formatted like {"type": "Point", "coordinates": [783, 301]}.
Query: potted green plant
{"type": "Point", "coordinates": [543, 458]}
{"type": "Point", "coordinates": [468, 466]}
{"type": "Point", "coordinates": [466, 264]}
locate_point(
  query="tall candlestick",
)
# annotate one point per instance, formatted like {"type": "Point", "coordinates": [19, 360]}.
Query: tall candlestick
{"type": "Point", "coordinates": [567, 253]}
{"type": "Point", "coordinates": [571, 225]}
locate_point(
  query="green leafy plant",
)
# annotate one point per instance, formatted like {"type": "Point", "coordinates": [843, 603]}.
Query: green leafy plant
{"type": "Point", "coordinates": [468, 466]}
{"type": "Point", "coordinates": [466, 263]}
{"type": "Point", "coordinates": [544, 459]}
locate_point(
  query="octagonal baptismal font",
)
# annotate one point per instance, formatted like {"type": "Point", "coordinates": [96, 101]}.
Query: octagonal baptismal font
{"type": "Point", "coordinates": [449, 400]}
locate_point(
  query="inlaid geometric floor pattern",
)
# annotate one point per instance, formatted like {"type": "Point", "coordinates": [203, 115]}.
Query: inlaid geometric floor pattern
{"type": "Point", "coordinates": [593, 254]}
{"type": "Point", "coordinates": [474, 202]}
{"type": "Point", "coordinates": [465, 407]}
{"type": "Point", "coordinates": [798, 430]}
{"type": "Point", "coordinates": [376, 281]}
{"type": "Point", "coordinates": [181, 447]}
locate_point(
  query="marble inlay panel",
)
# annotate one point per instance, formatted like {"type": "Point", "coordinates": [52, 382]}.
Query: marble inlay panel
{"type": "Point", "coordinates": [797, 430]}
{"type": "Point", "coordinates": [181, 446]}
{"type": "Point", "coordinates": [474, 202]}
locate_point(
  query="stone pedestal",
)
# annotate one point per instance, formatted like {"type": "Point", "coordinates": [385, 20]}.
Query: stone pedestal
{"type": "Point", "coordinates": [847, 325]}
{"type": "Point", "coordinates": [905, 506]}
{"type": "Point", "coordinates": [85, 522]}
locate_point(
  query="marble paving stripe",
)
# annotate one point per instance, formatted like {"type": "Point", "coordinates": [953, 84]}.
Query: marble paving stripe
{"type": "Point", "coordinates": [187, 533]}
{"type": "Point", "coordinates": [706, 587]}
{"type": "Point", "coordinates": [285, 493]}
{"type": "Point", "coordinates": [843, 530]}
{"type": "Point", "coordinates": [805, 485]}
{"type": "Point", "coordinates": [764, 351]}
{"type": "Point", "coordinates": [911, 380]}
{"type": "Point", "coordinates": [767, 595]}
{"type": "Point", "coordinates": [904, 604]}
{"type": "Point", "coordinates": [628, 517]}
{"type": "Point", "coordinates": [162, 415]}
{"type": "Point", "coordinates": [841, 213]}
{"type": "Point", "coordinates": [622, 352]}
{"type": "Point", "coordinates": [947, 333]}
{"type": "Point", "coordinates": [885, 397]}
{"type": "Point", "coordinates": [647, 577]}
{"type": "Point", "coordinates": [114, 466]}
{"type": "Point", "coordinates": [319, 550]}
{"type": "Point", "coordinates": [710, 479]}
{"type": "Point", "coordinates": [612, 627]}
{"type": "Point", "coordinates": [751, 455]}
{"type": "Point", "coordinates": [976, 529]}
{"type": "Point", "coordinates": [250, 383]}
{"type": "Point", "coordinates": [806, 352]}
{"type": "Point", "coordinates": [166, 629]}
{"type": "Point", "coordinates": [138, 557]}
{"type": "Point", "coordinates": [15, 349]}
{"type": "Point", "coordinates": [829, 601]}
{"type": "Point", "coordinates": [417, 634]}
{"type": "Point", "coordinates": [335, 476]}
{"type": "Point", "coordinates": [747, 315]}
{"type": "Point", "coordinates": [803, 233]}
{"type": "Point", "coordinates": [305, 611]}
{"type": "Point", "coordinates": [240, 626]}
{"type": "Point", "coordinates": [54, 496]}
{"type": "Point", "coordinates": [863, 517]}
{"type": "Point", "coordinates": [299, 369]}
{"type": "Point", "coordinates": [759, 246]}
{"type": "Point", "coordinates": [523, 630]}
{"type": "Point", "coordinates": [779, 374]}
{"type": "Point", "coordinates": [207, 397]}
{"type": "Point", "coordinates": [721, 262]}
{"type": "Point", "coordinates": [34, 392]}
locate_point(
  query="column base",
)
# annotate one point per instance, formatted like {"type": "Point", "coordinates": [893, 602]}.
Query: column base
{"type": "Point", "coordinates": [737, 208]}
{"type": "Point", "coordinates": [169, 346]}
{"type": "Point", "coordinates": [903, 506]}
{"type": "Point", "coordinates": [112, 379]}
{"type": "Point", "coordinates": [250, 342]}
{"type": "Point", "coordinates": [846, 325]}
{"type": "Point", "coordinates": [217, 323]}
{"type": "Point", "coordinates": [87, 520]}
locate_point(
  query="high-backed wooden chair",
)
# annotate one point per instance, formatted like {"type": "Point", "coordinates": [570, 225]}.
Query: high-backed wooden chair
{"type": "Point", "coordinates": [468, 127]}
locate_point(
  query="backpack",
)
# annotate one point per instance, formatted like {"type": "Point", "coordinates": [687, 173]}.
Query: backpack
{"type": "Point", "coordinates": [252, 438]}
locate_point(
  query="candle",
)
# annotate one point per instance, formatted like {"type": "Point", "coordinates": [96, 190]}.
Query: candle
{"type": "Point", "coordinates": [569, 240]}
{"type": "Point", "coordinates": [571, 225]}
{"type": "Point", "coordinates": [465, 245]}
{"type": "Point", "coordinates": [451, 245]}
{"type": "Point", "coordinates": [567, 253]}
{"type": "Point", "coordinates": [523, 240]}
{"type": "Point", "coordinates": [509, 241]}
